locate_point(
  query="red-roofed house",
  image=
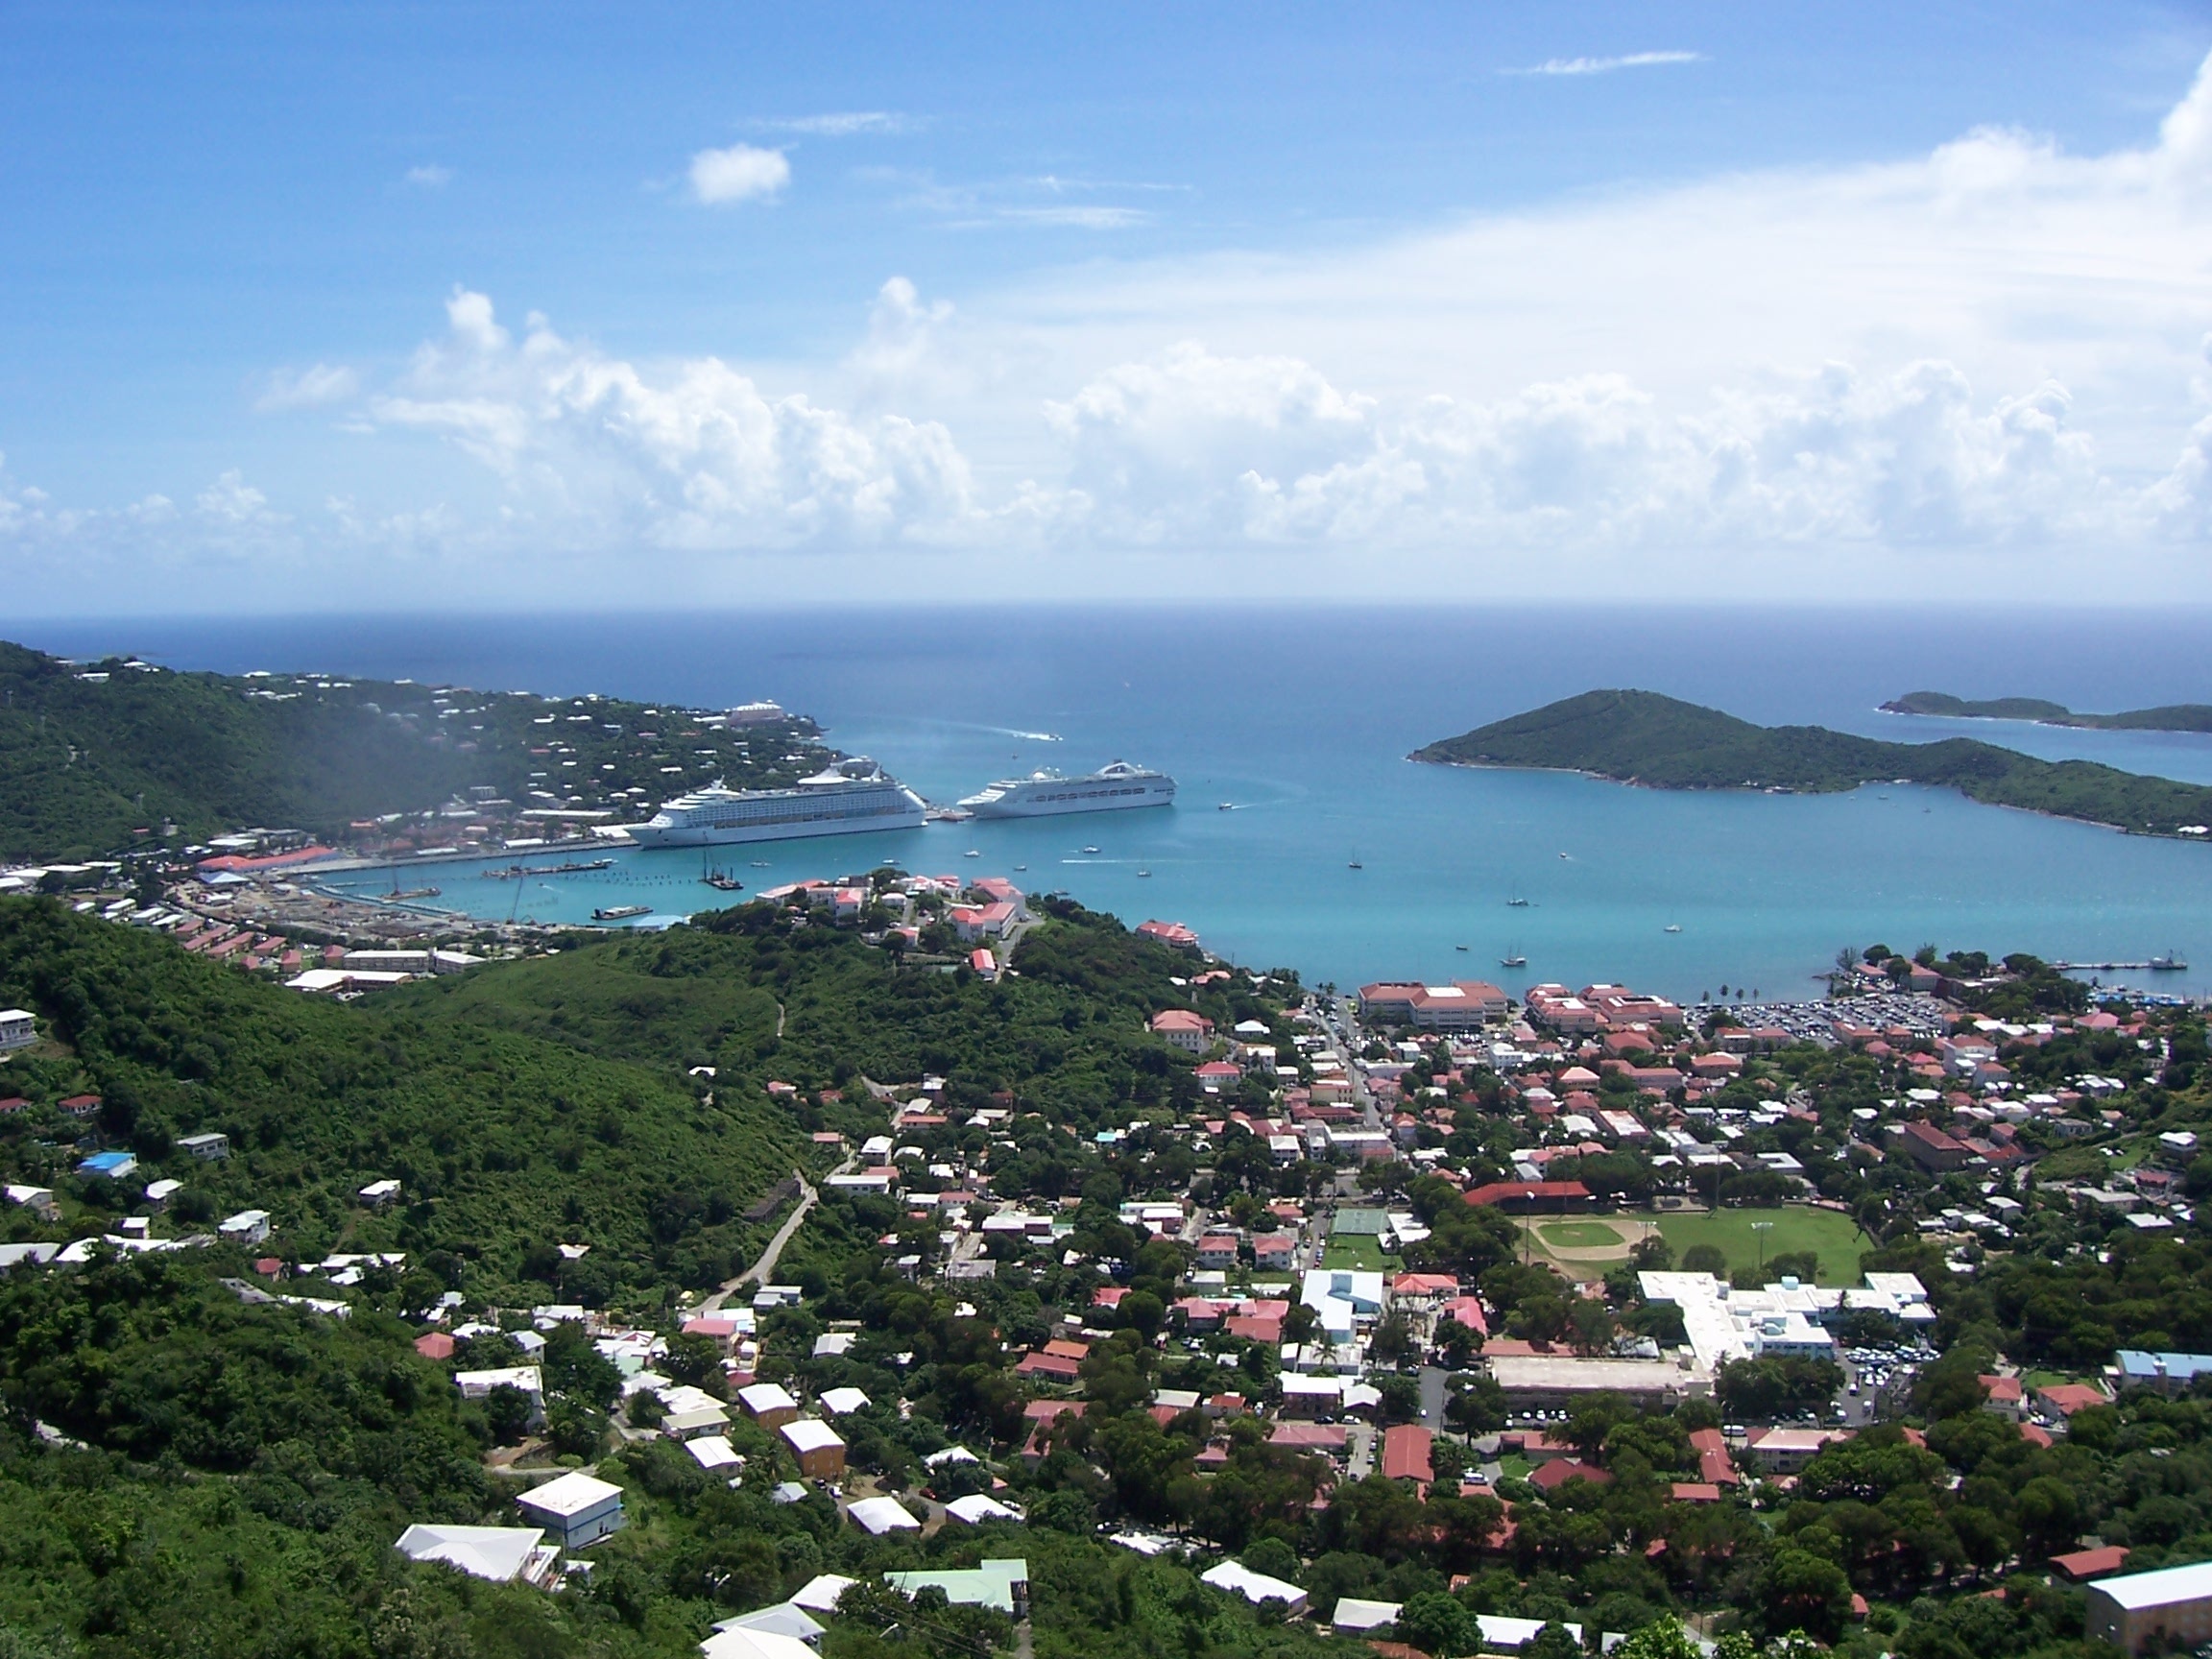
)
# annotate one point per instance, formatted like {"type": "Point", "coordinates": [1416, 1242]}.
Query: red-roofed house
{"type": "Point", "coordinates": [1550, 1477]}
{"type": "Point", "coordinates": [1169, 933]}
{"type": "Point", "coordinates": [2064, 1399]}
{"type": "Point", "coordinates": [1254, 1327]}
{"type": "Point", "coordinates": [1217, 1250]}
{"type": "Point", "coordinates": [1326, 1437]}
{"type": "Point", "coordinates": [1695, 1492]}
{"type": "Point", "coordinates": [2083, 1564]}
{"type": "Point", "coordinates": [1050, 1367]}
{"type": "Point", "coordinates": [1406, 1454]}
{"type": "Point", "coordinates": [1931, 1148]}
{"type": "Point", "coordinates": [2004, 1396]}
{"type": "Point", "coordinates": [1190, 1032]}
{"type": "Point", "coordinates": [434, 1345]}
{"type": "Point", "coordinates": [1713, 1465]}
{"type": "Point", "coordinates": [1468, 1310]}
{"type": "Point", "coordinates": [973, 922]}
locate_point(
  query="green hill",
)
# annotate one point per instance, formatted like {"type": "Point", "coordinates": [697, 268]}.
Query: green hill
{"type": "Point", "coordinates": [1065, 1034]}
{"type": "Point", "coordinates": [507, 1143]}
{"type": "Point", "coordinates": [189, 1468]}
{"type": "Point", "coordinates": [2169, 717]}
{"type": "Point", "coordinates": [1643, 737]}
{"type": "Point", "coordinates": [92, 753]}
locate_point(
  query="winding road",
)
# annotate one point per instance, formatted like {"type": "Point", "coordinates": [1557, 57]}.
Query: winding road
{"type": "Point", "coordinates": [758, 1273]}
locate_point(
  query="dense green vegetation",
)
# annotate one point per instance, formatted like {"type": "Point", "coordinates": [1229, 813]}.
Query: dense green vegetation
{"type": "Point", "coordinates": [191, 1470]}
{"type": "Point", "coordinates": [1066, 1034]}
{"type": "Point", "coordinates": [2168, 717]}
{"type": "Point", "coordinates": [1643, 737]}
{"type": "Point", "coordinates": [188, 1468]}
{"type": "Point", "coordinates": [506, 1144]}
{"type": "Point", "coordinates": [92, 753]}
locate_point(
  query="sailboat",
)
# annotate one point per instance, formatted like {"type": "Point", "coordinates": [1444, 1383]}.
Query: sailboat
{"type": "Point", "coordinates": [1515, 960]}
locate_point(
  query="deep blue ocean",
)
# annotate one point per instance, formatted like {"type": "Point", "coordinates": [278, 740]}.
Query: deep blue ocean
{"type": "Point", "coordinates": [1300, 716]}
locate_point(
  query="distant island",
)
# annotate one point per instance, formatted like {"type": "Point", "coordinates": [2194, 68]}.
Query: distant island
{"type": "Point", "coordinates": [2169, 717]}
{"type": "Point", "coordinates": [1642, 738]}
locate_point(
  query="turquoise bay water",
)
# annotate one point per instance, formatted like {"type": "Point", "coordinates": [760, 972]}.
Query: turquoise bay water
{"type": "Point", "coordinates": [1301, 717]}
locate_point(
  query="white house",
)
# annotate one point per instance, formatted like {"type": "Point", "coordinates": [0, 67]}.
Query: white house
{"type": "Point", "coordinates": [503, 1555]}
{"type": "Point", "coordinates": [577, 1508]}
{"type": "Point", "coordinates": [247, 1227]}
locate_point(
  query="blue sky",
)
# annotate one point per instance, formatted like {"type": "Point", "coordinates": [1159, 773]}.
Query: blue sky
{"type": "Point", "coordinates": [1110, 299]}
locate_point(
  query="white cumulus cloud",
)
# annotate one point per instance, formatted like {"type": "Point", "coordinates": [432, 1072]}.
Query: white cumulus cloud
{"type": "Point", "coordinates": [689, 454]}
{"type": "Point", "coordinates": [430, 176]}
{"type": "Point", "coordinates": [741, 173]}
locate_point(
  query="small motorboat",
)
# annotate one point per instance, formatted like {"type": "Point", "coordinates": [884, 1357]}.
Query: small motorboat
{"type": "Point", "coordinates": [974, 853]}
{"type": "Point", "coordinates": [1143, 874]}
{"type": "Point", "coordinates": [1226, 807]}
{"type": "Point", "coordinates": [1673, 926]}
{"type": "Point", "coordinates": [1459, 947]}
{"type": "Point", "coordinates": [1091, 851]}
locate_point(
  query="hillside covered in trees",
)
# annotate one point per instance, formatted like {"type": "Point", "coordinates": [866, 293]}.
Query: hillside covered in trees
{"type": "Point", "coordinates": [1664, 743]}
{"type": "Point", "coordinates": [2166, 717]}
{"type": "Point", "coordinates": [93, 752]}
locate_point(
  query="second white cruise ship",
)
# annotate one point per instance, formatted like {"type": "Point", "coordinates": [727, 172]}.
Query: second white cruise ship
{"type": "Point", "coordinates": [1046, 794]}
{"type": "Point", "coordinates": [849, 797]}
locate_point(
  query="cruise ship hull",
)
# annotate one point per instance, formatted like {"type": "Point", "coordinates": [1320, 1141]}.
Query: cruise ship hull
{"type": "Point", "coordinates": [795, 829]}
{"type": "Point", "coordinates": [1161, 795]}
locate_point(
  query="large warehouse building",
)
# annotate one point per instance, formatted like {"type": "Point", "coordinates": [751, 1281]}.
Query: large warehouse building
{"type": "Point", "coordinates": [2174, 1603]}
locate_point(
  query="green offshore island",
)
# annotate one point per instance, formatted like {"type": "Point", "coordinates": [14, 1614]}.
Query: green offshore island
{"type": "Point", "coordinates": [1662, 742]}
{"type": "Point", "coordinates": [2169, 717]}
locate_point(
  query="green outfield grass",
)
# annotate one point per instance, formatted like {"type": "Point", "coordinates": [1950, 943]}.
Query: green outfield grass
{"type": "Point", "coordinates": [1580, 1235]}
{"type": "Point", "coordinates": [1834, 1238]}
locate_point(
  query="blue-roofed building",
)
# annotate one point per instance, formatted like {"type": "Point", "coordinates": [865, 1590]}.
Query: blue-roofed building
{"type": "Point", "coordinates": [2168, 1373]}
{"type": "Point", "coordinates": [114, 1165]}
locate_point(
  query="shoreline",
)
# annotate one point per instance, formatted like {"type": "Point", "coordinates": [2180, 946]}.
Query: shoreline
{"type": "Point", "coordinates": [1786, 789]}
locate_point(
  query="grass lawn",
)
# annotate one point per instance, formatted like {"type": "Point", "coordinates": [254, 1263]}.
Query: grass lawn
{"type": "Point", "coordinates": [1834, 1238]}
{"type": "Point", "coordinates": [1359, 1253]}
{"type": "Point", "coordinates": [1578, 1234]}
{"type": "Point", "coordinates": [1514, 1468]}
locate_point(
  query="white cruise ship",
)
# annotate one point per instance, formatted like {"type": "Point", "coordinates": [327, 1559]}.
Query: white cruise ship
{"type": "Point", "coordinates": [1046, 794]}
{"type": "Point", "coordinates": [849, 797]}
